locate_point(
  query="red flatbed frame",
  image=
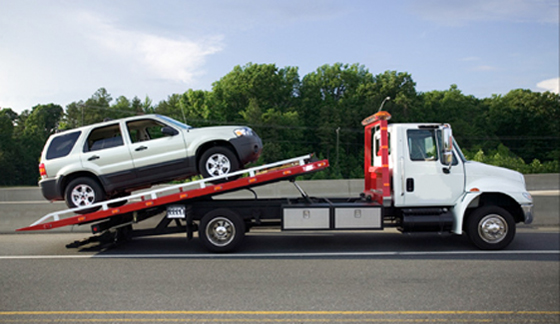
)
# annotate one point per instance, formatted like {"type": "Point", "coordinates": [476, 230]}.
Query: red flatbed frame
{"type": "Point", "coordinates": [256, 177]}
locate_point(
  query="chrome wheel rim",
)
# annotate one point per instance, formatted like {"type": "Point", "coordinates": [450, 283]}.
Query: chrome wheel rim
{"type": "Point", "coordinates": [492, 228]}
{"type": "Point", "coordinates": [218, 164]}
{"type": "Point", "coordinates": [220, 231]}
{"type": "Point", "coordinates": [83, 195]}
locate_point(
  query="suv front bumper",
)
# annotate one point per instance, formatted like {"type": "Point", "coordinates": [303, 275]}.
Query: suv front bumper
{"type": "Point", "coordinates": [248, 148]}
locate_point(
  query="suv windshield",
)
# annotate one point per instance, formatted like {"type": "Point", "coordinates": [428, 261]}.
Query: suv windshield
{"type": "Point", "coordinates": [175, 122]}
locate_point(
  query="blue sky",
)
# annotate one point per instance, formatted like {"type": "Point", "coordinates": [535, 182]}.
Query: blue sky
{"type": "Point", "coordinates": [63, 51]}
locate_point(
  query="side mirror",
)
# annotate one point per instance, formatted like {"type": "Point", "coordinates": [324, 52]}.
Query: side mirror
{"type": "Point", "coordinates": [168, 131]}
{"type": "Point", "coordinates": [447, 141]}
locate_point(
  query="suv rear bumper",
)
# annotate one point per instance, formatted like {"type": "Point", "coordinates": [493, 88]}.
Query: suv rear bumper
{"type": "Point", "coordinates": [49, 189]}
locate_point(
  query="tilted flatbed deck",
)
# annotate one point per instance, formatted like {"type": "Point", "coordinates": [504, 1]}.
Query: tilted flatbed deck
{"type": "Point", "coordinates": [258, 176]}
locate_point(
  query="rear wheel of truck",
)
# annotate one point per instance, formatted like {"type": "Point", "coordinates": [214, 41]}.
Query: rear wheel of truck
{"type": "Point", "coordinates": [221, 230]}
{"type": "Point", "coordinates": [490, 228]}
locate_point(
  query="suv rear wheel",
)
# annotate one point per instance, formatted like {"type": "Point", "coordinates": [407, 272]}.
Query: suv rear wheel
{"type": "Point", "coordinates": [84, 192]}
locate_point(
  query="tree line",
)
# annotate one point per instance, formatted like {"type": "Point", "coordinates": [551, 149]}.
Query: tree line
{"type": "Point", "coordinates": [319, 113]}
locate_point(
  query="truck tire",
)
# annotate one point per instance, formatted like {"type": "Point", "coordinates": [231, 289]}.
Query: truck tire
{"type": "Point", "coordinates": [83, 192]}
{"type": "Point", "coordinates": [490, 228]}
{"type": "Point", "coordinates": [221, 230]}
{"type": "Point", "coordinates": [217, 161]}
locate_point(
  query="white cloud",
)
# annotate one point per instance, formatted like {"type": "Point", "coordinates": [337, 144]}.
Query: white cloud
{"type": "Point", "coordinates": [169, 58]}
{"type": "Point", "coordinates": [64, 52]}
{"type": "Point", "coordinates": [552, 85]}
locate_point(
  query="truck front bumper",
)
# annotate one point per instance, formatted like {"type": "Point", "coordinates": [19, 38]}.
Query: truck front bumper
{"type": "Point", "coordinates": [527, 213]}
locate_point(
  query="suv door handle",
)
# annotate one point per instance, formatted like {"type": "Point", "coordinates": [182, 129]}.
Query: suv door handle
{"type": "Point", "coordinates": [141, 148]}
{"type": "Point", "coordinates": [95, 157]}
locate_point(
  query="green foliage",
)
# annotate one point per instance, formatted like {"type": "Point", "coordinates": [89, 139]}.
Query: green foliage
{"type": "Point", "coordinates": [527, 122]}
{"type": "Point", "coordinates": [265, 84]}
{"type": "Point", "coordinates": [503, 157]}
{"type": "Point", "coordinates": [319, 113]}
{"type": "Point", "coordinates": [98, 108]}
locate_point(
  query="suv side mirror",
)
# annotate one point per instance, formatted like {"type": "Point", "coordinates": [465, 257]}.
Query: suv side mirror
{"type": "Point", "coordinates": [168, 131]}
{"type": "Point", "coordinates": [447, 139]}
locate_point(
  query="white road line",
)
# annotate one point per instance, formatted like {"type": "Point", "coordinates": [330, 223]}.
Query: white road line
{"type": "Point", "coordinates": [545, 192]}
{"type": "Point", "coordinates": [278, 255]}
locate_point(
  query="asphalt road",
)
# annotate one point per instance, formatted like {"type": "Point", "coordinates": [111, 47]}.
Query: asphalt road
{"type": "Point", "coordinates": [281, 277]}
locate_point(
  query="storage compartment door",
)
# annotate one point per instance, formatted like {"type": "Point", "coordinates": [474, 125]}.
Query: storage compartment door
{"type": "Point", "coordinates": [357, 218]}
{"type": "Point", "coordinates": [306, 218]}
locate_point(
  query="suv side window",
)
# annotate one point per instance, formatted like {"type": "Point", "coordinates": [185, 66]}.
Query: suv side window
{"type": "Point", "coordinates": [103, 138]}
{"type": "Point", "coordinates": [422, 145]}
{"type": "Point", "coordinates": [145, 130]}
{"type": "Point", "coordinates": [62, 145]}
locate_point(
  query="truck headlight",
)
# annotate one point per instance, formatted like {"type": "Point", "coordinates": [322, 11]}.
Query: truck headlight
{"type": "Point", "coordinates": [244, 131]}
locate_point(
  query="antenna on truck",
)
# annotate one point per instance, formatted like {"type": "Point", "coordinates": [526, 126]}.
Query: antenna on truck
{"type": "Point", "coordinates": [380, 115]}
{"type": "Point", "coordinates": [386, 99]}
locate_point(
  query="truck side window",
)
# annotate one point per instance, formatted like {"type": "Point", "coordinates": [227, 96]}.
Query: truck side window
{"type": "Point", "coordinates": [104, 138]}
{"type": "Point", "coordinates": [144, 130]}
{"type": "Point", "coordinates": [422, 145]}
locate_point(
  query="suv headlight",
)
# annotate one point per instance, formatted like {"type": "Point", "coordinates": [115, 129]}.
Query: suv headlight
{"type": "Point", "coordinates": [244, 131]}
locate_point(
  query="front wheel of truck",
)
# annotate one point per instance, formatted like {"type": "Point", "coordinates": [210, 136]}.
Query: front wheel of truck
{"type": "Point", "coordinates": [490, 228]}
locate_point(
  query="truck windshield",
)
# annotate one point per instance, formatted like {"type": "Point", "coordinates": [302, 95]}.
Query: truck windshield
{"type": "Point", "coordinates": [458, 149]}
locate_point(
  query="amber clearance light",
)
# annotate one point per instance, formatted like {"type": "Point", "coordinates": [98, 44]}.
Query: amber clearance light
{"type": "Point", "coordinates": [381, 115]}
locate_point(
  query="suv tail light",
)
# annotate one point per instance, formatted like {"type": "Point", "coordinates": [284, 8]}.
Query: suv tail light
{"type": "Point", "coordinates": [42, 170]}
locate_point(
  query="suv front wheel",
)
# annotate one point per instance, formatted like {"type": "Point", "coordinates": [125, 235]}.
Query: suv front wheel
{"type": "Point", "coordinates": [218, 161]}
{"type": "Point", "coordinates": [83, 192]}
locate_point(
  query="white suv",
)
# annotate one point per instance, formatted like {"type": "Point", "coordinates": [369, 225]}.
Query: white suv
{"type": "Point", "coordinates": [107, 160]}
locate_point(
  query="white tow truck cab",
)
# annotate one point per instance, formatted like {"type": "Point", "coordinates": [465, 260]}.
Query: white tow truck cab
{"type": "Point", "coordinates": [415, 179]}
{"type": "Point", "coordinates": [422, 179]}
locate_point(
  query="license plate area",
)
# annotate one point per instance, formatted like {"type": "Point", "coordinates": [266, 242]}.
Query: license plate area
{"type": "Point", "coordinates": [176, 211]}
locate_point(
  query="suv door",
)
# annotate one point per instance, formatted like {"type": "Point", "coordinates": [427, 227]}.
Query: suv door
{"type": "Point", "coordinates": [105, 154]}
{"type": "Point", "coordinates": [157, 155]}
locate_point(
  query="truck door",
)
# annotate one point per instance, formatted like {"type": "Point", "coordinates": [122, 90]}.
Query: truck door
{"type": "Point", "coordinates": [426, 180]}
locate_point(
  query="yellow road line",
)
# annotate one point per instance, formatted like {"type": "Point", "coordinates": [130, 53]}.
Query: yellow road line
{"type": "Point", "coordinates": [292, 320]}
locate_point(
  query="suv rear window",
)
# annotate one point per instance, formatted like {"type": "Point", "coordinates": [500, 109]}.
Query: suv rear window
{"type": "Point", "coordinates": [62, 145]}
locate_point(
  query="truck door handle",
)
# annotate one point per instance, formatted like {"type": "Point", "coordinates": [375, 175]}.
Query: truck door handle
{"type": "Point", "coordinates": [95, 157]}
{"type": "Point", "coordinates": [409, 185]}
{"type": "Point", "coordinates": [141, 148]}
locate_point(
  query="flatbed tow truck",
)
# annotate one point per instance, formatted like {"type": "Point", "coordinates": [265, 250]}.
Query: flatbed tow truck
{"type": "Point", "coordinates": [415, 179]}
